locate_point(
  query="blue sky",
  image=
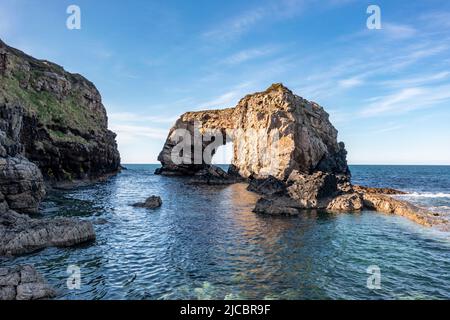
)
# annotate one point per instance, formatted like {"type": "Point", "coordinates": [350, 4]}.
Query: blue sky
{"type": "Point", "coordinates": [387, 91]}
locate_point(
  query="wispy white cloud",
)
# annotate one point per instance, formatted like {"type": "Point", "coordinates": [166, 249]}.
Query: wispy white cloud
{"type": "Point", "coordinates": [388, 128]}
{"type": "Point", "coordinates": [406, 100]}
{"type": "Point", "coordinates": [417, 80]}
{"type": "Point", "coordinates": [398, 31]}
{"type": "Point", "coordinates": [249, 54]}
{"type": "Point", "coordinates": [128, 132]}
{"type": "Point", "coordinates": [269, 11]}
{"type": "Point", "coordinates": [436, 19]}
{"type": "Point", "coordinates": [135, 117]}
{"type": "Point", "coordinates": [227, 99]}
{"type": "Point", "coordinates": [351, 82]}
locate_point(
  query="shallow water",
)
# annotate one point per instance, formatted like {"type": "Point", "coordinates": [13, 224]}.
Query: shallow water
{"type": "Point", "coordinates": [205, 243]}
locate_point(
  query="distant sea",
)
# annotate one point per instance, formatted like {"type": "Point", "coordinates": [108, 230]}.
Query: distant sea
{"type": "Point", "coordinates": [206, 243]}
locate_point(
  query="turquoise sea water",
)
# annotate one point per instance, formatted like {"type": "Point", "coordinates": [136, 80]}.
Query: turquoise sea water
{"type": "Point", "coordinates": [206, 243]}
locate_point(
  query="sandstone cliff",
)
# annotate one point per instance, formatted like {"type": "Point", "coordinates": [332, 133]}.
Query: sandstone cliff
{"type": "Point", "coordinates": [287, 149]}
{"type": "Point", "coordinates": [277, 137]}
{"type": "Point", "coordinates": [297, 132]}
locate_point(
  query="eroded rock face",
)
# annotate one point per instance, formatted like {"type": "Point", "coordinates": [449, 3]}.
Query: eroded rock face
{"type": "Point", "coordinates": [21, 184]}
{"type": "Point", "coordinates": [310, 171]}
{"type": "Point", "coordinates": [23, 283]}
{"type": "Point", "coordinates": [274, 133]}
{"type": "Point", "coordinates": [389, 205]}
{"type": "Point", "coordinates": [21, 181]}
{"type": "Point", "coordinates": [283, 144]}
{"type": "Point", "coordinates": [20, 234]}
{"type": "Point", "coordinates": [346, 203]}
{"type": "Point", "coordinates": [54, 118]}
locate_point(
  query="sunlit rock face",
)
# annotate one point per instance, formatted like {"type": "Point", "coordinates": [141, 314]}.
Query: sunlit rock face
{"type": "Point", "coordinates": [274, 133]}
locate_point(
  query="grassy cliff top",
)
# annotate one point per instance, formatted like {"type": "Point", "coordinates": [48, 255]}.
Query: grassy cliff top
{"type": "Point", "coordinates": [55, 96]}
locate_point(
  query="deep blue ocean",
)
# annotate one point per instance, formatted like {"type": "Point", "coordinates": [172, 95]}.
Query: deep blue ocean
{"type": "Point", "coordinates": [206, 243]}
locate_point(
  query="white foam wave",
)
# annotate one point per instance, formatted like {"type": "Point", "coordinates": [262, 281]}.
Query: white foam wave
{"type": "Point", "coordinates": [426, 195]}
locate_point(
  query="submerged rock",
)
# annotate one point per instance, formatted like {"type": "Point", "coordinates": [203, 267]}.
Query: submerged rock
{"type": "Point", "coordinates": [23, 283]}
{"type": "Point", "coordinates": [277, 206]}
{"type": "Point", "coordinates": [20, 234]}
{"type": "Point", "coordinates": [151, 202]}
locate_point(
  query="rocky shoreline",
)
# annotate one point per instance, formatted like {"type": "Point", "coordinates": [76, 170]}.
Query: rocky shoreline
{"type": "Point", "coordinates": [23, 283]}
{"type": "Point", "coordinates": [53, 134]}
{"type": "Point", "coordinates": [312, 170]}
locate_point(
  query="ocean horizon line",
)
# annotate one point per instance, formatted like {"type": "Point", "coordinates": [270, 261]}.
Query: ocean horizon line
{"type": "Point", "coordinates": [350, 164]}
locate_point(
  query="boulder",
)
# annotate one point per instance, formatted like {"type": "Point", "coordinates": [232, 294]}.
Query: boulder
{"type": "Point", "coordinates": [346, 203]}
{"type": "Point", "coordinates": [268, 187]}
{"type": "Point", "coordinates": [23, 283]}
{"type": "Point", "coordinates": [21, 184]}
{"type": "Point", "coordinates": [312, 191]}
{"type": "Point", "coordinates": [151, 202]}
{"type": "Point", "coordinates": [20, 234]}
{"type": "Point", "coordinates": [277, 206]}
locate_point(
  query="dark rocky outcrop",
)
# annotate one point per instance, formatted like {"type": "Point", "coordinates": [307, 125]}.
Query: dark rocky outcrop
{"type": "Point", "coordinates": [53, 130]}
{"type": "Point", "coordinates": [23, 283]}
{"type": "Point", "coordinates": [151, 202]}
{"type": "Point", "coordinates": [57, 117]}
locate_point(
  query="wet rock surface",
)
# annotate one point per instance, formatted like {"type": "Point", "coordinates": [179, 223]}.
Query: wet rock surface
{"type": "Point", "coordinates": [389, 205]}
{"type": "Point", "coordinates": [151, 202]}
{"type": "Point", "coordinates": [20, 234]}
{"type": "Point", "coordinates": [346, 203]}
{"type": "Point", "coordinates": [23, 283]}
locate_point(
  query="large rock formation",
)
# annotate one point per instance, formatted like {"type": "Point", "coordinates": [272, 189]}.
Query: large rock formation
{"type": "Point", "coordinates": [278, 138]}
{"type": "Point", "coordinates": [274, 133]}
{"type": "Point", "coordinates": [53, 129]}
{"type": "Point", "coordinates": [57, 116]}
{"type": "Point", "coordinates": [286, 148]}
